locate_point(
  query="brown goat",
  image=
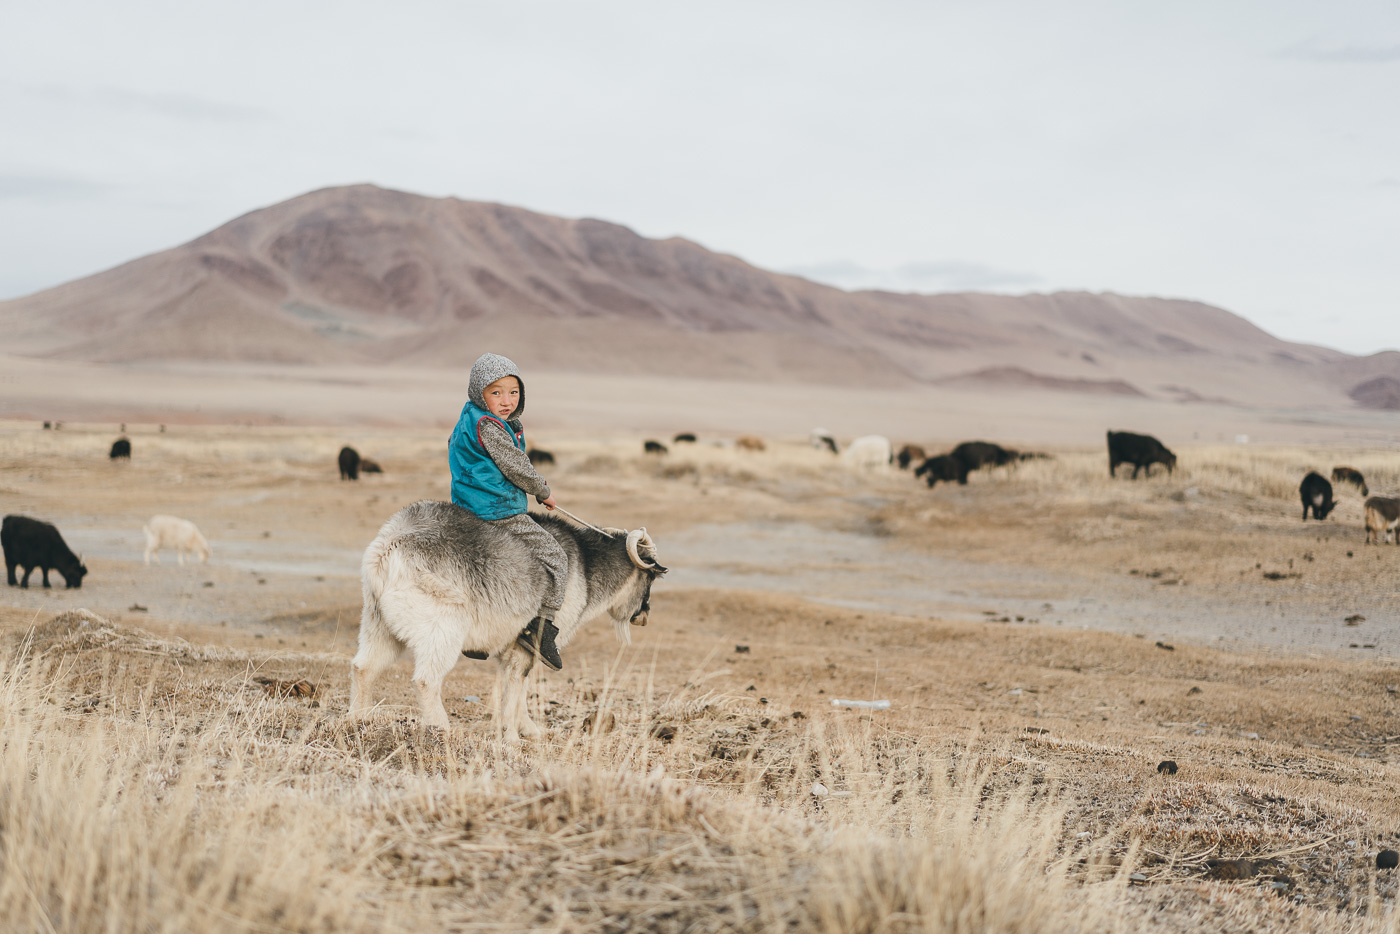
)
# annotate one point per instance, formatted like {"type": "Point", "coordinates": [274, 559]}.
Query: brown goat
{"type": "Point", "coordinates": [1382, 516]}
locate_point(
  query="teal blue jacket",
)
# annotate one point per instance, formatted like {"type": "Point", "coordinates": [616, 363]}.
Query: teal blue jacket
{"type": "Point", "coordinates": [478, 485]}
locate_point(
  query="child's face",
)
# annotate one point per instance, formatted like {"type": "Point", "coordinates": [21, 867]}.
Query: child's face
{"type": "Point", "coordinates": [502, 396]}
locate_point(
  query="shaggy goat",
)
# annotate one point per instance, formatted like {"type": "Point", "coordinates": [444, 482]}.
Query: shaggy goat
{"type": "Point", "coordinates": [869, 452]}
{"type": "Point", "coordinates": [438, 581]}
{"type": "Point", "coordinates": [911, 454]}
{"type": "Point", "coordinates": [180, 534]}
{"type": "Point", "coordinates": [1382, 516]}
{"type": "Point", "coordinates": [1350, 475]}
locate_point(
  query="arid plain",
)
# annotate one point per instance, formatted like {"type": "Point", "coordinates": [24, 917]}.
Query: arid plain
{"type": "Point", "coordinates": [1045, 636]}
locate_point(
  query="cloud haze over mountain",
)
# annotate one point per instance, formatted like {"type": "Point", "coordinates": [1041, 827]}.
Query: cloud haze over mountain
{"type": "Point", "coordinates": [1238, 154]}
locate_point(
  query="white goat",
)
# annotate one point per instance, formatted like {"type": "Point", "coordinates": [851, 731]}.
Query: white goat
{"type": "Point", "coordinates": [180, 534]}
{"type": "Point", "coordinates": [821, 439]}
{"type": "Point", "coordinates": [871, 452]}
{"type": "Point", "coordinates": [438, 581]}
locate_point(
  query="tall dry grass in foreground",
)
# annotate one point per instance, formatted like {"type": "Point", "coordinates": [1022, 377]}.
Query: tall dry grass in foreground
{"type": "Point", "coordinates": [134, 801]}
{"type": "Point", "coordinates": [145, 785]}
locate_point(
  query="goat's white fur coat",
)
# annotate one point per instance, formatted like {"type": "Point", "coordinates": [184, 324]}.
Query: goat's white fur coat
{"type": "Point", "coordinates": [437, 581]}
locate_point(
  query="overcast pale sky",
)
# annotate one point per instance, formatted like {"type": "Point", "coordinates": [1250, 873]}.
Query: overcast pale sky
{"type": "Point", "coordinates": [1245, 154]}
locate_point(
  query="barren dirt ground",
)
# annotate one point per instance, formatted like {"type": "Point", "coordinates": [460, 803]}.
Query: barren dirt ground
{"type": "Point", "coordinates": [1047, 624]}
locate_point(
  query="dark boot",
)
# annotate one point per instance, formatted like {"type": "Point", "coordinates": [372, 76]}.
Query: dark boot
{"type": "Point", "coordinates": [538, 637]}
{"type": "Point", "coordinates": [476, 656]}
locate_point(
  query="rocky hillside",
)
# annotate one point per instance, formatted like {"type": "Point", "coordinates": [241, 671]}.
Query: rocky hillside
{"type": "Point", "coordinates": [368, 276]}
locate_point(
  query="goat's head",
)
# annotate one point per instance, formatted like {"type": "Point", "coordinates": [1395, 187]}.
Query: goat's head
{"type": "Point", "coordinates": [636, 604]}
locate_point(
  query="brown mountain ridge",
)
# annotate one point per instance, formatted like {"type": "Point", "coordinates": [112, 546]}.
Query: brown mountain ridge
{"type": "Point", "coordinates": [364, 275]}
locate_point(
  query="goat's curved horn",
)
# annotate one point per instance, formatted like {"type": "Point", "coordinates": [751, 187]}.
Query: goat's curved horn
{"type": "Point", "coordinates": [636, 540]}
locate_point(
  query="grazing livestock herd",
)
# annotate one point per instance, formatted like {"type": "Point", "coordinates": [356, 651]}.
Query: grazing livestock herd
{"type": "Point", "coordinates": [963, 460]}
{"type": "Point", "coordinates": [1382, 513]}
{"type": "Point", "coordinates": [32, 545]}
{"type": "Point", "coordinates": [38, 546]}
{"type": "Point", "coordinates": [1143, 452]}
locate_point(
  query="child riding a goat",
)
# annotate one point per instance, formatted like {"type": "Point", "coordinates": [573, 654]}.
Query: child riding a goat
{"type": "Point", "coordinates": [492, 475]}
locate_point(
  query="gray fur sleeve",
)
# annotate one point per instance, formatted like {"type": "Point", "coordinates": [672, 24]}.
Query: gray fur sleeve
{"type": "Point", "coordinates": [512, 461]}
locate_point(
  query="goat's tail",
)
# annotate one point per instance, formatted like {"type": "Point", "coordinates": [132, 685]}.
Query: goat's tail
{"type": "Point", "coordinates": [374, 577]}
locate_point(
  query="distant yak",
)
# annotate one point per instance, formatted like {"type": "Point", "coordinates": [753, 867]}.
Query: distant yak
{"type": "Point", "coordinates": [349, 464]}
{"type": "Point", "coordinates": [1316, 494]}
{"type": "Point", "coordinates": [1142, 451]}
{"type": "Point", "coordinates": [1350, 475]}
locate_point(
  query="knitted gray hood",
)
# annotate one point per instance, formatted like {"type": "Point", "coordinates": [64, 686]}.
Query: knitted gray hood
{"type": "Point", "coordinates": [488, 368]}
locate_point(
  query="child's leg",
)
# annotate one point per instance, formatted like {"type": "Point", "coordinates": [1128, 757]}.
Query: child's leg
{"type": "Point", "coordinates": [540, 634]}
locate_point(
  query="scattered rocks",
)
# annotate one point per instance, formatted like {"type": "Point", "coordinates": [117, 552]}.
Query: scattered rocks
{"type": "Point", "coordinates": [1166, 645]}
{"type": "Point", "coordinates": [666, 732]}
{"type": "Point", "coordinates": [1137, 878]}
{"type": "Point", "coordinates": [600, 722]}
{"type": "Point", "coordinates": [1166, 767]}
{"type": "Point", "coordinates": [1387, 859]}
{"type": "Point", "coordinates": [741, 649]}
{"type": "Point", "coordinates": [208, 583]}
{"type": "Point", "coordinates": [798, 715]}
{"type": "Point", "coordinates": [1040, 730]}
{"type": "Point", "coordinates": [1355, 619]}
{"type": "Point", "coordinates": [1194, 690]}
{"type": "Point", "coordinates": [137, 608]}
{"type": "Point", "coordinates": [276, 688]}
{"type": "Point", "coordinates": [1228, 870]}
{"type": "Point", "coordinates": [1280, 575]}
{"type": "Point", "coordinates": [818, 789]}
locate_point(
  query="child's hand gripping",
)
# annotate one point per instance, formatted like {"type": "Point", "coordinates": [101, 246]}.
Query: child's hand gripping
{"type": "Point", "coordinates": [547, 503]}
